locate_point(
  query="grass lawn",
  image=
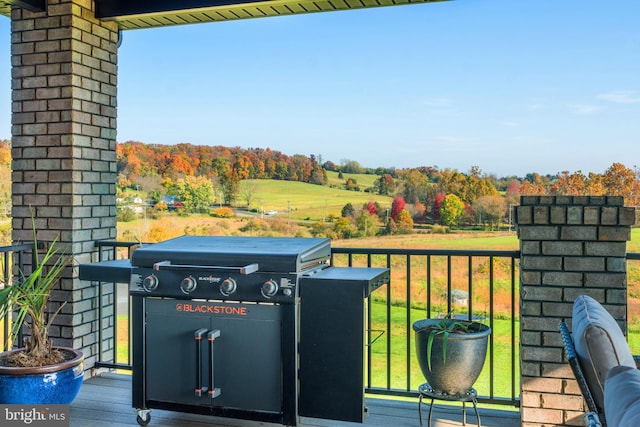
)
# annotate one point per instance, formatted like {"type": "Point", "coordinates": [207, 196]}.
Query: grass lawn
{"type": "Point", "coordinates": [306, 201]}
{"type": "Point", "coordinates": [364, 181]}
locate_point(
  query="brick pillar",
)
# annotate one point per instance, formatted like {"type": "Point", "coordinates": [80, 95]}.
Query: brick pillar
{"type": "Point", "coordinates": [63, 145]}
{"type": "Point", "coordinates": [570, 245]}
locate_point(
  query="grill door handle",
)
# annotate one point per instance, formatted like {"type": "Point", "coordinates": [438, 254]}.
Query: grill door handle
{"type": "Point", "coordinates": [211, 337]}
{"type": "Point", "coordinates": [166, 265]}
{"type": "Point", "coordinates": [197, 335]}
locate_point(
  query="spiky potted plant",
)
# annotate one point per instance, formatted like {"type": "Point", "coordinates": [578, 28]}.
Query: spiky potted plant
{"type": "Point", "coordinates": [451, 352]}
{"type": "Point", "coordinates": [39, 372]}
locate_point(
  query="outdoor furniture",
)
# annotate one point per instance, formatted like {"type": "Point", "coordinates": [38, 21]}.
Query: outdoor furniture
{"type": "Point", "coordinates": [598, 352]}
{"type": "Point", "coordinates": [622, 397]}
{"type": "Point", "coordinates": [593, 417]}
{"type": "Point", "coordinates": [591, 420]}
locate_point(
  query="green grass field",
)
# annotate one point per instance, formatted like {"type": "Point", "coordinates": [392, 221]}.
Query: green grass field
{"type": "Point", "coordinates": [364, 180]}
{"type": "Point", "coordinates": [306, 201]}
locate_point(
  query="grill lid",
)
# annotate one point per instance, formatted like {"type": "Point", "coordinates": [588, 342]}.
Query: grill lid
{"type": "Point", "coordinates": [272, 254]}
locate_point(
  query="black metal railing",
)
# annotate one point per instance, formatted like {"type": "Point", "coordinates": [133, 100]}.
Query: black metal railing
{"type": "Point", "coordinates": [430, 283]}
{"type": "Point", "coordinates": [483, 285]}
{"type": "Point", "coordinates": [12, 262]}
{"type": "Point", "coordinates": [424, 283]}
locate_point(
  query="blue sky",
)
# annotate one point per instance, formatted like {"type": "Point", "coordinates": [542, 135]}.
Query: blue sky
{"type": "Point", "coordinates": [511, 86]}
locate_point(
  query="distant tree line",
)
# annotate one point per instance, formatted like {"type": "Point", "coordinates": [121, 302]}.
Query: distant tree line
{"type": "Point", "coordinates": [202, 175]}
{"type": "Point", "coordinates": [429, 194]}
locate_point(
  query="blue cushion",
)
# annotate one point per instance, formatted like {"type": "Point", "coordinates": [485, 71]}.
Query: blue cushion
{"type": "Point", "coordinates": [622, 397]}
{"type": "Point", "coordinates": [599, 342]}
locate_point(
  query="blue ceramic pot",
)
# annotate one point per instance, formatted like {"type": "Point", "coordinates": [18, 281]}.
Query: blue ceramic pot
{"type": "Point", "coordinates": [51, 384]}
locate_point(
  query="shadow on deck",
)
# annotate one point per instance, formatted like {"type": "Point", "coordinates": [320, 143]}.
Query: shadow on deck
{"type": "Point", "coordinates": [105, 401]}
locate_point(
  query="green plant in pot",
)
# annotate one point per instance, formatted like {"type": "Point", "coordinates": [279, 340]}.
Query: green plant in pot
{"type": "Point", "coordinates": [38, 373]}
{"type": "Point", "coordinates": [451, 352]}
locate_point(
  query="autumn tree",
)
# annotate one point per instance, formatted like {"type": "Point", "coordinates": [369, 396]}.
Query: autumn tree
{"type": "Point", "coordinates": [318, 175]}
{"type": "Point", "coordinates": [344, 228]}
{"type": "Point", "coordinates": [414, 186]}
{"type": "Point", "coordinates": [512, 193]}
{"type": "Point", "coordinates": [489, 209]}
{"type": "Point", "coordinates": [195, 193]}
{"type": "Point", "coordinates": [594, 184]}
{"type": "Point", "coordinates": [351, 166]}
{"type": "Point", "coordinates": [404, 223]}
{"type": "Point", "coordinates": [574, 184]}
{"type": "Point", "coordinates": [368, 224]}
{"type": "Point", "coordinates": [397, 206]}
{"type": "Point", "coordinates": [467, 187]}
{"type": "Point", "coordinates": [437, 205]}
{"type": "Point", "coordinates": [619, 180]}
{"type": "Point", "coordinates": [451, 181]}
{"type": "Point", "coordinates": [476, 185]}
{"type": "Point", "coordinates": [351, 184]}
{"type": "Point", "coordinates": [230, 185]}
{"type": "Point", "coordinates": [372, 208]}
{"type": "Point", "coordinates": [418, 212]}
{"type": "Point", "coordinates": [452, 210]}
{"type": "Point", "coordinates": [533, 185]}
{"type": "Point", "coordinates": [348, 211]}
{"type": "Point", "coordinates": [248, 190]}
{"type": "Point", "coordinates": [384, 185]}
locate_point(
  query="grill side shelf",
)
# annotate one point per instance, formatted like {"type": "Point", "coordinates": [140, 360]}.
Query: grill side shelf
{"type": "Point", "coordinates": [118, 271]}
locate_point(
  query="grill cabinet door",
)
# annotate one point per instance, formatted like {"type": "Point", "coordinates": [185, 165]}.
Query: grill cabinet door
{"type": "Point", "coordinates": [247, 362]}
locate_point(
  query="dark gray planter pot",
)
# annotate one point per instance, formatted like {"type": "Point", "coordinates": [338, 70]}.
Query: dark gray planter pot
{"type": "Point", "coordinates": [465, 357]}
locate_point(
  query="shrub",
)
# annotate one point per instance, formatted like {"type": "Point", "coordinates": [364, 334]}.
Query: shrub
{"type": "Point", "coordinates": [439, 229]}
{"type": "Point", "coordinates": [223, 212]}
{"type": "Point", "coordinates": [125, 214]}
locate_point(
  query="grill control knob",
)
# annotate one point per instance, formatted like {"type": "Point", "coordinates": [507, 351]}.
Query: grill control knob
{"type": "Point", "coordinates": [188, 285]}
{"type": "Point", "coordinates": [228, 286]}
{"type": "Point", "coordinates": [150, 283]}
{"type": "Point", "coordinates": [269, 288]}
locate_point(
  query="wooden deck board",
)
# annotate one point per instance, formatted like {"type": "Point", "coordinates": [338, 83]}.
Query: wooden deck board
{"type": "Point", "coordinates": [105, 401]}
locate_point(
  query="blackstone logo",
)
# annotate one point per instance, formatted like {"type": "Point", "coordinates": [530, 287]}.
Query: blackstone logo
{"type": "Point", "coordinates": [34, 415]}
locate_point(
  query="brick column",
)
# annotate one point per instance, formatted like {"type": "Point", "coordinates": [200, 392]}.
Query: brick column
{"type": "Point", "coordinates": [570, 245]}
{"type": "Point", "coordinates": [63, 145]}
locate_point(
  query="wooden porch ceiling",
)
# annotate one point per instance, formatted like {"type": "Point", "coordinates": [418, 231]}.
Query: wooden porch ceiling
{"type": "Point", "coordinates": [158, 13]}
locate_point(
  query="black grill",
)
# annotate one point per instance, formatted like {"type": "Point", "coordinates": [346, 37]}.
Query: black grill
{"type": "Point", "coordinates": [245, 327]}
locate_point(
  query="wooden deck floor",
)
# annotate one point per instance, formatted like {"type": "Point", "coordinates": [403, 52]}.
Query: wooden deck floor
{"type": "Point", "coordinates": [105, 401]}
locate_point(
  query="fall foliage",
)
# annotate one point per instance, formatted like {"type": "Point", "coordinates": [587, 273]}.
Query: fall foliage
{"type": "Point", "coordinates": [136, 159]}
{"type": "Point", "coordinates": [201, 179]}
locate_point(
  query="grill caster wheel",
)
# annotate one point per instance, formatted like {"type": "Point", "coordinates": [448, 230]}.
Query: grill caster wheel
{"type": "Point", "coordinates": [143, 418]}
